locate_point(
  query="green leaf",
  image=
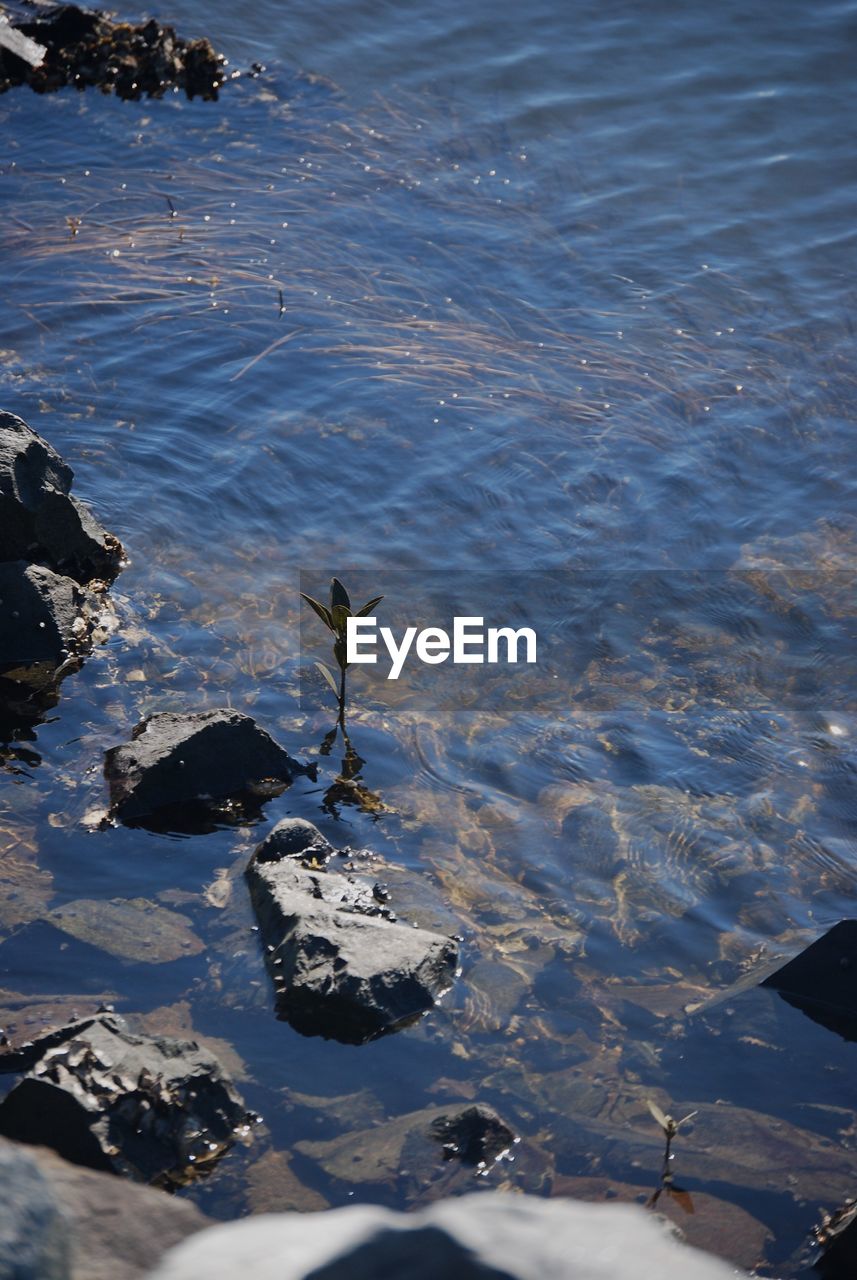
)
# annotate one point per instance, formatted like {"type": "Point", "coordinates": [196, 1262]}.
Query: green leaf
{"type": "Point", "coordinates": [328, 677]}
{"type": "Point", "coordinates": [340, 654]}
{"type": "Point", "coordinates": [341, 614]}
{"type": "Point", "coordinates": [338, 594]}
{"type": "Point", "coordinates": [368, 607]}
{"type": "Point", "coordinates": [320, 609]}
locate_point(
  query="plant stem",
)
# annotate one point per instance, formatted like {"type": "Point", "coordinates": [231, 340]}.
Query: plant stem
{"type": "Point", "coordinates": [342, 699]}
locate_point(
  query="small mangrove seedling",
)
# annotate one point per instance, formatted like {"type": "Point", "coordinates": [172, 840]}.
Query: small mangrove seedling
{"type": "Point", "coordinates": [335, 617]}
{"type": "Point", "coordinates": [669, 1128]}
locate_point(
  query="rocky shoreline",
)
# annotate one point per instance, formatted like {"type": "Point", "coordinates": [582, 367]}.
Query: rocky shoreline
{"type": "Point", "coordinates": [159, 1110]}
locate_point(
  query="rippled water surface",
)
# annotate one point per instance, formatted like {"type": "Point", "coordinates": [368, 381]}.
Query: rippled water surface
{"type": "Point", "coordinates": [541, 312]}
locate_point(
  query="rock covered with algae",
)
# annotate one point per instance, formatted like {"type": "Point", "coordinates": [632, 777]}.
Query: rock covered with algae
{"type": "Point", "coordinates": [83, 47]}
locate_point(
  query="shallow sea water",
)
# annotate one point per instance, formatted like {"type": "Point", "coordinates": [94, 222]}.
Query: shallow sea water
{"type": "Point", "coordinates": [544, 314]}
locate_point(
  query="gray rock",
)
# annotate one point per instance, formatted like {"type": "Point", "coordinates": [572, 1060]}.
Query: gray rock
{"type": "Point", "coordinates": [200, 762]}
{"type": "Point", "coordinates": [489, 1236]}
{"type": "Point", "coordinates": [34, 1234]}
{"type": "Point", "coordinates": [340, 969]}
{"type": "Point", "coordinates": [39, 521]}
{"type": "Point", "coordinates": [106, 1228]}
{"type": "Point", "coordinates": [45, 619]}
{"type": "Point", "coordinates": [294, 838]}
{"type": "Point", "coordinates": [150, 1108]}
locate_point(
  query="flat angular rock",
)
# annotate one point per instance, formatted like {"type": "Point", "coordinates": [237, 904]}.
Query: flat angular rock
{"type": "Point", "coordinates": [490, 1236]}
{"type": "Point", "coordinates": [822, 980]}
{"type": "Point", "coordinates": [152, 1108]}
{"type": "Point", "coordinates": [340, 969]}
{"type": "Point", "coordinates": [39, 520]}
{"type": "Point", "coordinates": [200, 762]}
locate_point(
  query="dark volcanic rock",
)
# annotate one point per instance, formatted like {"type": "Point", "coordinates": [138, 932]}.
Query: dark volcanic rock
{"type": "Point", "coordinates": [44, 619]}
{"type": "Point", "coordinates": [340, 969]}
{"type": "Point", "coordinates": [190, 766]}
{"type": "Point", "coordinates": [822, 980]}
{"type": "Point", "coordinates": [154, 1109]}
{"type": "Point", "coordinates": [39, 521]}
{"type": "Point", "coordinates": [475, 1135]}
{"type": "Point", "coordinates": [84, 47]}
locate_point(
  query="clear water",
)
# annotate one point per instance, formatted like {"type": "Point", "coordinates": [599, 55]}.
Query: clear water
{"type": "Point", "coordinates": [542, 309]}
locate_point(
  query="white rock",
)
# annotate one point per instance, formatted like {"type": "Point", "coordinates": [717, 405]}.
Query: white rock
{"type": "Point", "coordinates": [489, 1236]}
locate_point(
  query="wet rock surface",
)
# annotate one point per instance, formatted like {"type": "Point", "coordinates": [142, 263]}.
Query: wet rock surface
{"type": "Point", "coordinates": [184, 770]}
{"type": "Point", "coordinates": [80, 1224]}
{"type": "Point", "coordinates": [153, 1108]}
{"type": "Point", "coordinates": [295, 838]}
{"type": "Point", "coordinates": [42, 620]}
{"type": "Point", "coordinates": [86, 48]}
{"type": "Point", "coordinates": [55, 563]}
{"type": "Point", "coordinates": [341, 967]}
{"type": "Point", "coordinates": [40, 522]}
{"type": "Point", "coordinates": [491, 1236]}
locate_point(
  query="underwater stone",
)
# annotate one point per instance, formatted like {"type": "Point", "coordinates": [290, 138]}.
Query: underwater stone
{"type": "Point", "coordinates": [341, 969]}
{"type": "Point", "coordinates": [39, 520]}
{"type": "Point", "coordinates": [150, 1108]}
{"type": "Point", "coordinates": [195, 759]}
{"type": "Point", "coordinates": [476, 1135]}
{"type": "Point", "coordinates": [490, 1236]}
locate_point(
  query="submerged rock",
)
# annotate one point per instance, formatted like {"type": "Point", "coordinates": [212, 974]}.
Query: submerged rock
{"type": "Point", "coordinates": [417, 1156]}
{"type": "Point", "coordinates": [341, 967]}
{"type": "Point", "coordinates": [184, 769]}
{"type": "Point", "coordinates": [84, 47]}
{"type": "Point", "coordinates": [40, 522]}
{"type": "Point", "coordinates": [155, 1109]}
{"type": "Point", "coordinates": [491, 1236]}
{"type": "Point", "coordinates": [476, 1135]}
